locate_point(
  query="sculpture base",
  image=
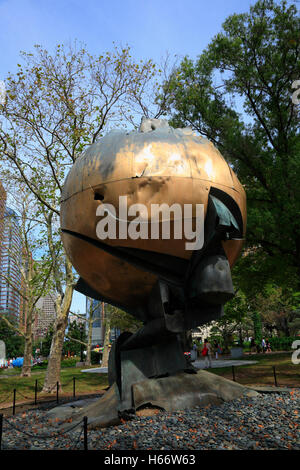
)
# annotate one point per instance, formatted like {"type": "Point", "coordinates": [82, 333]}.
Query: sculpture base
{"type": "Point", "coordinates": [173, 393]}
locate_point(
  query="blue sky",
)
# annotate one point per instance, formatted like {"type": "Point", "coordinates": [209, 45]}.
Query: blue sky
{"type": "Point", "coordinates": [150, 27]}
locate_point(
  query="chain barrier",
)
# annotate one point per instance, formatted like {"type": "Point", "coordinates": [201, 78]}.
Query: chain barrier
{"type": "Point", "coordinates": [66, 384]}
{"type": "Point", "coordinates": [5, 399]}
{"type": "Point", "coordinates": [78, 440]}
{"type": "Point", "coordinates": [41, 386]}
{"type": "Point", "coordinates": [243, 370]}
{"type": "Point", "coordinates": [44, 436]}
{"type": "Point", "coordinates": [23, 396]}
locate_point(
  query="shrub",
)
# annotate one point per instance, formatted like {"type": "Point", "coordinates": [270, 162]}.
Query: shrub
{"type": "Point", "coordinates": [95, 357]}
{"type": "Point", "coordinates": [282, 344]}
{"type": "Point", "coordinates": [41, 366]}
{"type": "Point", "coordinates": [70, 361]}
{"type": "Point", "coordinates": [246, 345]}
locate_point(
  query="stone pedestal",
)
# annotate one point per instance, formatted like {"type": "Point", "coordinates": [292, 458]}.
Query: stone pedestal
{"type": "Point", "coordinates": [173, 393]}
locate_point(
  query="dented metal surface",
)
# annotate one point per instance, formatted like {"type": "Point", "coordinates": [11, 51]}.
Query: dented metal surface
{"type": "Point", "coordinates": [157, 166]}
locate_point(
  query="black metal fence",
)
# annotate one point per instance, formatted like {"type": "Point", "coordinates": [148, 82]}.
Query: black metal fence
{"type": "Point", "coordinates": [275, 373]}
{"type": "Point", "coordinates": [34, 401]}
{"type": "Point", "coordinates": [84, 424]}
{"type": "Point", "coordinates": [40, 436]}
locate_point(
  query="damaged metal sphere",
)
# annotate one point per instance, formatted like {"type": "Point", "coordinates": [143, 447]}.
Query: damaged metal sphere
{"type": "Point", "coordinates": [155, 165]}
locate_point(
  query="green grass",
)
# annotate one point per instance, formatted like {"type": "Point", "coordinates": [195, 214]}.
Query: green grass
{"type": "Point", "coordinates": [287, 373]}
{"type": "Point", "coordinates": [86, 383]}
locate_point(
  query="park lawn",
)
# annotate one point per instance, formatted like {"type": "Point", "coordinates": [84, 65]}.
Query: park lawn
{"type": "Point", "coordinates": [261, 373]}
{"type": "Point", "coordinates": [85, 384]}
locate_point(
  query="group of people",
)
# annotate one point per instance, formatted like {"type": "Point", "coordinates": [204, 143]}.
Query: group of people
{"type": "Point", "coordinates": [7, 363]}
{"type": "Point", "coordinates": [17, 362]}
{"type": "Point", "coordinates": [265, 346]}
{"type": "Point", "coordinates": [208, 350]}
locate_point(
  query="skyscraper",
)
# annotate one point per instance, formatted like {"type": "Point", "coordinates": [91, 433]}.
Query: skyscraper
{"type": "Point", "coordinates": [98, 329]}
{"type": "Point", "coordinates": [10, 262]}
{"type": "Point", "coordinates": [2, 210]}
{"type": "Point", "coordinates": [46, 315]}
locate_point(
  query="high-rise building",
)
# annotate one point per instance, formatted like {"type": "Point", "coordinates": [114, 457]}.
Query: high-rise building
{"type": "Point", "coordinates": [11, 258]}
{"type": "Point", "coordinates": [98, 330]}
{"type": "Point", "coordinates": [45, 316]}
{"type": "Point", "coordinates": [2, 210]}
{"type": "Point", "coordinates": [27, 264]}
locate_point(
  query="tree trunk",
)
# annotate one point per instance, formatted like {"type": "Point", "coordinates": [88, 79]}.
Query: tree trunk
{"type": "Point", "coordinates": [285, 327]}
{"type": "Point", "coordinates": [54, 363]}
{"type": "Point", "coordinates": [257, 326]}
{"type": "Point", "coordinates": [241, 336]}
{"type": "Point", "coordinates": [105, 354]}
{"type": "Point", "coordinates": [89, 344]}
{"type": "Point", "coordinates": [26, 369]}
{"type": "Point", "coordinates": [102, 322]}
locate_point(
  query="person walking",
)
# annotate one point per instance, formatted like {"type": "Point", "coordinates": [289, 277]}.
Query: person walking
{"type": "Point", "coordinates": [206, 353]}
{"type": "Point", "coordinates": [195, 349]}
{"type": "Point", "coordinates": [252, 346]}
{"type": "Point", "coordinates": [268, 346]}
{"type": "Point", "coordinates": [216, 348]}
{"type": "Point", "coordinates": [219, 351]}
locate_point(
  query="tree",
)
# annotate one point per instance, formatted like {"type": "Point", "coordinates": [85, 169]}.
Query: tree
{"type": "Point", "coordinates": [47, 340]}
{"type": "Point", "coordinates": [235, 316]}
{"type": "Point", "coordinates": [34, 276]}
{"type": "Point", "coordinates": [123, 321]}
{"type": "Point", "coordinates": [238, 95]}
{"type": "Point", "coordinates": [75, 338]}
{"type": "Point", "coordinates": [106, 324]}
{"type": "Point", "coordinates": [279, 310]}
{"type": "Point", "coordinates": [14, 341]}
{"type": "Point", "coordinates": [56, 105]}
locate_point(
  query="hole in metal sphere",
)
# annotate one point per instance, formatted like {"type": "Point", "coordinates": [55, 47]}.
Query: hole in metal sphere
{"type": "Point", "coordinates": [98, 197]}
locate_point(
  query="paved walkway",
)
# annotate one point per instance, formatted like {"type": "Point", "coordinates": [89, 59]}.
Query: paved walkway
{"type": "Point", "coordinates": [219, 363]}
{"type": "Point", "coordinates": [198, 364]}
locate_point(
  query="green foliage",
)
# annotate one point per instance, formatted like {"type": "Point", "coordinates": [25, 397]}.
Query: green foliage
{"type": "Point", "coordinates": [46, 342]}
{"type": "Point", "coordinates": [282, 344]}
{"type": "Point", "coordinates": [257, 327]}
{"type": "Point", "coordinates": [41, 366]}
{"type": "Point", "coordinates": [123, 320]}
{"type": "Point", "coordinates": [77, 332]}
{"type": "Point", "coordinates": [65, 363]}
{"type": "Point", "coordinates": [95, 357]}
{"type": "Point", "coordinates": [14, 342]}
{"type": "Point", "coordinates": [249, 67]}
{"type": "Point", "coordinates": [279, 310]}
{"type": "Point", "coordinates": [235, 315]}
{"type": "Point", "coordinates": [70, 361]}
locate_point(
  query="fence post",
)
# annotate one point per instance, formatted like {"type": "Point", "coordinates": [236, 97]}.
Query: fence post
{"type": "Point", "coordinates": [57, 387]}
{"type": "Point", "coordinates": [275, 377]}
{"type": "Point", "coordinates": [35, 393]}
{"type": "Point", "coordinates": [85, 421]}
{"type": "Point", "coordinates": [1, 426]}
{"type": "Point", "coordinates": [73, 387]}
{"type": "Point", "coordinates": [233, 374]}
{"type": "Point", "coordinates": [14, 402]}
